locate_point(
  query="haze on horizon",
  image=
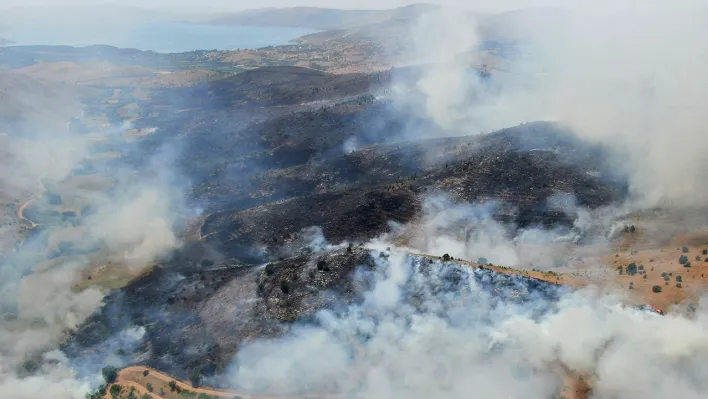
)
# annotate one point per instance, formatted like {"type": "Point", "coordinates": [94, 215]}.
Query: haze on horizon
{"type": "Point", "coordinates": [228, 5]}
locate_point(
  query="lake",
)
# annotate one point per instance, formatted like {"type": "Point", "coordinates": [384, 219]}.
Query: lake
{"type": "Point", "coordinates": [160, 36]}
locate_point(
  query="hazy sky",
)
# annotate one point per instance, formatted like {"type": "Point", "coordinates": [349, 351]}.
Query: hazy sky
{"type": "Point", "coordinates": [479, 5]}
{"type": "Point", "coordinates": [475, 5]}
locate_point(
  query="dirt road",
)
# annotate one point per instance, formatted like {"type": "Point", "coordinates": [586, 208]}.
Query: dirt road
{"type": "Point", "coordinates": [21, 212]}
{"type": "Point", "coordinates": [135, 377]}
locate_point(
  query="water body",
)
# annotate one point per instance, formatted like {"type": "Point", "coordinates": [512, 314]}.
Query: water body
{"type": "Point", "coordinates": [160, 36]}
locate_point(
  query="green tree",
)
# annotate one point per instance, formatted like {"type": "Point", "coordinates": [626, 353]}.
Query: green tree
{"type": "Point", "coordinates": [173, 385]}
{"type": "Point", "coordinates": [656, 288]}
{"type": "Point", "coordinates": [149, 387]}
{"type": "Point", "coordinates": [110, 374]}
{"type": "Point", "coordinates": [446, 257]}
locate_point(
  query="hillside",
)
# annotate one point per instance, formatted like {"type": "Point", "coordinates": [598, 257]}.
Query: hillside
{"type": "Point", "coordinates": [319, 18]}
{"type": "Point", "coordinates": [295, 222]}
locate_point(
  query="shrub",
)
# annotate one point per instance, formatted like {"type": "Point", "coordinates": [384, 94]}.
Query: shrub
{"type": "Point", "coordinates": [687, 264]}
{"type": "Point", "coordinates": [146, 396]}
{"type": "Point", "coordinates": [684, 249]}
{"type": "Point", "coordinates": [482, 261]}
{"type": "Point", "coordinates": [679, 279]}
{"type": "Point", "coordinates": [146, 372]}
{"type": "Point", "coordinates": [632, 269]}
{"type": "Point", "coordinates": [641, 267]}
{"type": "Point", "coordinates": [446, 258]}
{"type": "Point", "coordinates": [656, 288]}
{"type": "Point", "coordinates": [678, 285]}
{"type": "Point", "coordinates": [632, 229]}
{"type": "Point", "coordinates": [698, 258]}
{"type": "Point", "coordinates": [683, 259]}
{"type": "Point", "coordinates": [149, 387]}
{"type": "Point", "coordinates": [109, 374]}
{"type": "Point", "coordinates": [195, 378]}
{"type": "Point", "coordinates": [270, 269]}
{"type": "Point", "coordinates": [173, 385]}
{"type": "Point", "coordinates": [705, 252]}
{"type": "Point", "coordinates": [115, 390]}
{"type": "Point", "coordinates": [667, 278]}
{"type": "Point", "coordinates": [644, 276]}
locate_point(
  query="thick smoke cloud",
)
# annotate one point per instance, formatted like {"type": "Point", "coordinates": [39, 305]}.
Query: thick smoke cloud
{"type": "Point", "coordinates": [626, 76]}
{"type": "Point", "coordinates": [475, 232]}
{"type": "Point", "coordinates": [429, 329]}
{"type": "Point", "coordinates": [90, 211]}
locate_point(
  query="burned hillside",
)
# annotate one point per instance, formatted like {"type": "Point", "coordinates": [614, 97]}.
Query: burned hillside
{"type": "Point", "coordinates": [196, 321]}
{"type": "Point", "coordinates": [274, 86]}
{"type": "Point", "coordinates": [483, 168]}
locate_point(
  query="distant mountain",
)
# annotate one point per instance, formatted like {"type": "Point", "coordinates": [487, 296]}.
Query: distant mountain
{"type": "Point", "coordinates": [4, 42]}
{"type": "Point", "coordinates": [318, 18]}
{"type": "Point", "coordinates": [389, 26]}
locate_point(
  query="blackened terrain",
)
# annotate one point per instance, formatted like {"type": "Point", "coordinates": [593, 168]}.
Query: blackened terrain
{"type": "Point", "coordinates": [275, 152]}
{"type": "Point", "coordinates": [196, 320]}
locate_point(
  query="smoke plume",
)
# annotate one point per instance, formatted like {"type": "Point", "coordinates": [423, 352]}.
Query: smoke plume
{"type": "Point", "coordinates": [427, 328]}
{"type": "Point", "coordinates": [74, 213]}
{"type": "Point", "coordinates": [629, 77]}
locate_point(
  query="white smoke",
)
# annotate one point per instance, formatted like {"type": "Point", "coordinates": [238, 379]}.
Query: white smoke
{"type": "Point", "coordinates": [629, 77]}
{"type": "Point", "coordinates": [128, 217]}
{"type": "Point", "coordinates": [419, 334]}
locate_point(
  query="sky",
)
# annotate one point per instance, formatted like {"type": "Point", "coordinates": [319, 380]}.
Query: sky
{"type": "Point", "coordinates": [477, 5]}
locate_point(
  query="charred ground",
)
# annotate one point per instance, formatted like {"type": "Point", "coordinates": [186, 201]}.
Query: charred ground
{"type": "Point", "coordinates": [196, 319]}
{"type": "Point", "coordinates": [276, 151]}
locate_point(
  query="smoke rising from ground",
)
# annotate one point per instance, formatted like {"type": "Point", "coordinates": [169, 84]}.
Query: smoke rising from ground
{"type": "Point", "coordinates": [475, 231]}
{"type": "Point", "coordinates": [428, 329]}
{"type": "Point", "coordinates": [115, 216]}
{"type": "Point", "coordinates": [625, 76]}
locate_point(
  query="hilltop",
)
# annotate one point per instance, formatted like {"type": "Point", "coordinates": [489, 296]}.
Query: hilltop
{"type": "Point", "coordinates": [319, 18]}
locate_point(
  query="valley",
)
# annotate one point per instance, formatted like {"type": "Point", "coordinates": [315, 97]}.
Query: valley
{"type": "Point", "coordinates": [358, 213]}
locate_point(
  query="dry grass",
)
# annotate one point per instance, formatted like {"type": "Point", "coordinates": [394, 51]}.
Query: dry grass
{"type": "Point", "coordinates": [109, 275]}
